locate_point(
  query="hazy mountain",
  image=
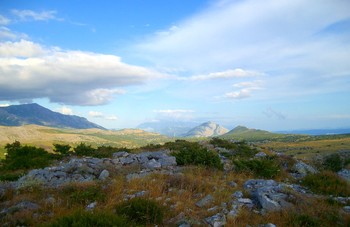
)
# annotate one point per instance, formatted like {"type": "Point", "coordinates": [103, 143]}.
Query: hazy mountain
{"type": "Point", "coordinates": [206, 129]}
{"type": "Point", "coordinates": [25, 114]}
{"type": "Point", "coordinates": [168, 128]}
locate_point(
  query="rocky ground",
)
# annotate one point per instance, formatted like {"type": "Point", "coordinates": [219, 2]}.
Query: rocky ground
{"type": "Point", "coordinates": [192, 196]}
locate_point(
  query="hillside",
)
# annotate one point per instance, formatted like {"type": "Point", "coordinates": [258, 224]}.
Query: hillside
{"type": "Point", "coordinates": [168, 128]}
{"type": "Point", "coordinates": [244, 133]}
{"type": "Point", "coordinates": [207, 129]}
{"type": "Point", "coordinates": [26, 114]}
{"type": "Point", "coordinates": [45, 136]}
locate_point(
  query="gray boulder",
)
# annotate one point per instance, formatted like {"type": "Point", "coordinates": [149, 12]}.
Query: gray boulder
{"type": "Point", "coordinates": [205, 201]}
{"type": "Point", "coordinates": [103, 175]}
{"type": "Point", "coordinates": [301, 169]}
{"type": "Point", "coordinates": [216, 220]}
{"type": "Point", "coordinates": [345, 174]}
{"type": "Point", "coordinates": [268, 193]}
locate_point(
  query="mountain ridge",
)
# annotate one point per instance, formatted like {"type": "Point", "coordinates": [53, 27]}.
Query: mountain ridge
{"type": "Point", "coordinates": [26, 114]}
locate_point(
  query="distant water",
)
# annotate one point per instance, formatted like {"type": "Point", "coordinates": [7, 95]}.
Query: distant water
{"type": "Point", "coordinates": [316, 132]}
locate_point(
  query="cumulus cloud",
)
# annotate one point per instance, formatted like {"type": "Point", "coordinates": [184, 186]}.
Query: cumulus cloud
{"type": "Point", "coordinates": [96, 114]}
{"type": "Point", "coordinates": [4, 105]}
{"type": "Point", "coordinates": [37, 16]}
{"type": "Point", "coordinates": [65, 110]}
{"type": "Point", "coordinates": [29, 70]}
{"type": "Point", "coordinates": [184, 114]}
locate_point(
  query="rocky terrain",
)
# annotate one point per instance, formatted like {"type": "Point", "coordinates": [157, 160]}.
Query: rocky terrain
{"type": "Point", "coordinates": [192, 195]}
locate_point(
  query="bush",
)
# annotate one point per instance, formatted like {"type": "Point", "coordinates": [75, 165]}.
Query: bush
{"type": "Point", "coordinates": [62, 149]}
{"type": "Point", "coordinates": [191, 153]}
{"type": "Point", "coordinates": [333, 162]}
{"type": "Point", "coordinates": [326, 183]}
{"type": "Point", "coordinates": [25, 157]}
{"type": "Point", "coordinates": [84, 150]}
{"type": "Point", "coordinates": [87, 219]}
{"type": "Point", "coordinates": [142, 211]}
{"type": "Point", "coordinates": [239, 149]}
{"type": "Point", "coordinates": [263, 167]}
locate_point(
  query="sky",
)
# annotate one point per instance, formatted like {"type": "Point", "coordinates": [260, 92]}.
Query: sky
{"type": "Point", "coordinates": [273, 64]}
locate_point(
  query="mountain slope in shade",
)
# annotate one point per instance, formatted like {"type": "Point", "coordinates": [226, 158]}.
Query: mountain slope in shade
{"type": "Point", "coordinates": [207, 129]}
{"type": "Point", "coordinates": [25, 114]}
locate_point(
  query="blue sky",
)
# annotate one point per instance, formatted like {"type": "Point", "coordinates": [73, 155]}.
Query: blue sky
{"type": "Point", "coordinates": [274, 64]}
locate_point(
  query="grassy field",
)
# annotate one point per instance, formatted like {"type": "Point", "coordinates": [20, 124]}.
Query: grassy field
{"type": "Point", "coordinates": [309, 146]}
{"type": "Point", "coordinates": [45, 137]}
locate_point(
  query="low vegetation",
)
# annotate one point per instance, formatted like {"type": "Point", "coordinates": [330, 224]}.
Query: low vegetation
{"type": "Point", "coordinates": [169, 198]}
{"type": "Point", "coordinates": [142, 211]}
{"type": "Point", "coordinates": [191, 153]}
{"type": "Point", "coordinates": [262, 167]}
{"type": "Point", "coordinates": [327, 183]}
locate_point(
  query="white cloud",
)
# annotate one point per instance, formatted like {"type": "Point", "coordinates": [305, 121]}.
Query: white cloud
{"type": "Point", "coordinates": [37, 16]}
{"type": "Point", "coordinates": [4, 105]}
{"type": "Point", "coordinates": [241, 94]}
{"type": "Point", "coordinates": [29, 70]}
{"type": "Point", "coordinates": [4, 20]}
{"type": "Point", "coordinates": [97, 114]}
{"type": "Point", "coordinates": [228, 74]}
{"type": "Point", "coordinates": [22, 48]}
{"type": "Point", "coordinates": [245, 89]}
{"type": "Point", "coordinates": [65, 110]}
{"type": "Point", "coordinates": [289, 38]}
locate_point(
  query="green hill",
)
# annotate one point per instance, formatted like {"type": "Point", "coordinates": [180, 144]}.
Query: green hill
{"type": "Point", "coordinates": [244, 133]}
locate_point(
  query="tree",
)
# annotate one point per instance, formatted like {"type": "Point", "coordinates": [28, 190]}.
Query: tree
{"type": "Point", "coordinates": [62, 149]}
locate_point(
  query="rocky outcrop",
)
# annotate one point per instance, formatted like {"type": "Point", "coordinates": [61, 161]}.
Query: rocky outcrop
{"type": "Point", "coordinates": [270, 195]}
{"type": "Point", "coordinates": [89, 169]}
{"type": "Point", "coordinates": [345, 174]}
{"type": "Point", "coordinates": [301, 169]}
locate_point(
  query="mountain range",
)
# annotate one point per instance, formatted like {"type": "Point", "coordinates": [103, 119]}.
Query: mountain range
{"type": "Point", "coordinates": [25, 114]}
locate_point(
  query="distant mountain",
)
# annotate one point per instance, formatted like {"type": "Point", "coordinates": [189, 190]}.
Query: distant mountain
{"type": "Point", "coordinates": [25, 114]}
{"type": "Point", "coordinates": [168, 128]}
{"type": "Point", "coordinates": [207, 129]}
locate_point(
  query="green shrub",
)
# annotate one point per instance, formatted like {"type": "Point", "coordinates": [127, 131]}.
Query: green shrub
{"type": "Point", "coordinates": [88, 219]}
{"type": "Point", "coordinates": [238, 149]}
{"type": "Point", "coordinates": [25, 157]}
{"type": "Point", "coordinates": [327, 183]}
{"type": "Point", "coordinates": [62, 149]}
{"type": "Point", "coordinates": [84, 150]}
{"type": "Point", "coordinates": [333, 162]}
{"type": "Point", "coordinates": [263, 167]}
{"type": "Point", "coordinates": [142, 211]}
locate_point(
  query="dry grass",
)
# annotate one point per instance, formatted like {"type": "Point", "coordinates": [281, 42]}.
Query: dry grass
{"type": "Point", "coordinates": [178, 194]}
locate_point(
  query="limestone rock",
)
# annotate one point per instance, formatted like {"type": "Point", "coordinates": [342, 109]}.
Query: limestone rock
{"type": "Point", "coordinates": [104, 175]}
{"type": "Point", "coordinates": [205, 201]}
{"type": "Point", "coordinates": [345, 174]}
{"type": "Point", "coordinates": [217, 220]}
{"type": "Point", "coordinates": [302, 169]}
